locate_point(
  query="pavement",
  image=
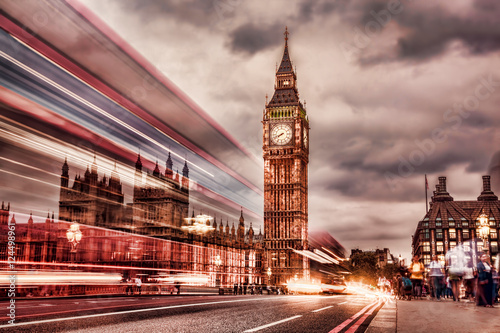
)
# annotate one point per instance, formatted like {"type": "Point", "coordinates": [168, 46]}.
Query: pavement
{"type": "Point", "coordinates": [425, 315]}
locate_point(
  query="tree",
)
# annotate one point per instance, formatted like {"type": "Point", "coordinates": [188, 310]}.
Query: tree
{"type": "Point", "coordinates": [364, 268]}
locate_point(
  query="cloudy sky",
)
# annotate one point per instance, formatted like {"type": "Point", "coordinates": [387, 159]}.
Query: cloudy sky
{"type": "Point", "coordinates": [394, 90]}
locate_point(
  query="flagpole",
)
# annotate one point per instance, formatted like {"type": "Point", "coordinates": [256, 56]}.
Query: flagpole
{"type": "Point", "coordinates": [426, 201]}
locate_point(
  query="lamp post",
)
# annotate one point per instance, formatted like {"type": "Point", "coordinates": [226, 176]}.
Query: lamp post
{"type": "Point", "coordinates": [484, 231]}
{"type": "Point", "coordinates": [269, 273]}
{"type": "Point", "coordinates": [74, 236]}
{"type": "Point", "coordinates": [217, 262]}
{"type": "Point", "coordinates": [199, 224]}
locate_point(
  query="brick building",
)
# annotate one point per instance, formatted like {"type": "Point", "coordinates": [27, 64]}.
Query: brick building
{"type": "Point", "coordinates": [449, 223]}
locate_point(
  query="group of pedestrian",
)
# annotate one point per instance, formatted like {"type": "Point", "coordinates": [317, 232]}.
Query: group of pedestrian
{"type": "Point", "coordinates": [480, 281]}
{"type": "Point", "coordinates": [242, 289]}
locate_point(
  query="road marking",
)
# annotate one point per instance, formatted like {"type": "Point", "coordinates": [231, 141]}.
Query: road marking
{"type": "Point", "coordinates": [272, 324]}
{"type": "Point", "coordinates": [354, 327]}
{"type": "Point", "coordinates": [136, 311]}
{"type": "Point", "coordinates": [331, 306]}
{"type": "Point", "coordinates": [342, 303]}
{"type": "Point", "coordinates": [348, 321]}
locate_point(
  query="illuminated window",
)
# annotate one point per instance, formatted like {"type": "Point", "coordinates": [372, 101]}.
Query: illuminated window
{"type": "Point", "coordinates": [493, 233]}
{"type": "Point", "coordinates": [465, 233]}
{"type": "Point", "coordinates": [427, 259]}
{"type": "Point", "coordinates": [494, 247]}
{"type": "Point", "coordinates": [426, 247]}
{"type": "Point", "coordinates": [452, 245]}
{"type": "Point", "coordinates": [439, 247]}
{"type": "Point", "coordinates": [453, 233]}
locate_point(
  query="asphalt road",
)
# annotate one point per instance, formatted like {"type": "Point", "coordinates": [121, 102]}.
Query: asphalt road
{"type": "Point", "coordinates": [257, 313]}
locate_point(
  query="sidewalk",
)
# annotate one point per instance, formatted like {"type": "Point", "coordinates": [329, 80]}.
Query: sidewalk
{"type": "Point", "coordinates": [431, 316]}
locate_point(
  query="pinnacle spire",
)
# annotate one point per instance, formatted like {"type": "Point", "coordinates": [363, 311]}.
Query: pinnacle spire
{"type": "Point", "coordinates": [286, 63]}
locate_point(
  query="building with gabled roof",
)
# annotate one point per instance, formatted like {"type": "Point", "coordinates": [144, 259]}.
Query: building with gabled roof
{"type": "Point", "coordinates": [449, 223]}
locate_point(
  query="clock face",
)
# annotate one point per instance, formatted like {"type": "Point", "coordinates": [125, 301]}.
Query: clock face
{"type": "Point", "coordinates": [281, 134]}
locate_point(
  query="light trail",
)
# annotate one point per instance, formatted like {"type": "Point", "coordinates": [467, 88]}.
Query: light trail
{"type": "Point", "coordinates": [101, 111]}
{"type": "Point", "coordinates": [135, 311]}
{"type": "Point", "coordinates": [348, 321]}
{"type": "Point", "coordinates": [273, 324]}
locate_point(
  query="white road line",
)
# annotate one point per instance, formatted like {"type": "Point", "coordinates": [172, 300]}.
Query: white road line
{"type": "Point", "coordinates": [272, 324]}
{"type": "Point", "coordinates": [134, 311]}
{"type": "Point", "coordinates": [331, 306]}
{"type": "Point", "coordinates": [342, 303]}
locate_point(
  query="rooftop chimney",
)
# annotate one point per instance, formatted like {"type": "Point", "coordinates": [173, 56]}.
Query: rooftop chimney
{"type": "Point", "coordinates": [487, 194]}
{"type": "Point", "coordinates": [441, 193]}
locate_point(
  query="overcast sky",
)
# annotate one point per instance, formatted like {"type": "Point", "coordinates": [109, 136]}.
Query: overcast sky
{"type": "Point", "coordinates": [394, 90]}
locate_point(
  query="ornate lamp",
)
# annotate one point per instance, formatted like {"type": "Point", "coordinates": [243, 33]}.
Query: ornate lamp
{"type": "Point", "coordinates": [484, 230]}
{"type": "Point", "coordinates": [74, 236]}
{"type": "Point", "coordinates": [217, 262]}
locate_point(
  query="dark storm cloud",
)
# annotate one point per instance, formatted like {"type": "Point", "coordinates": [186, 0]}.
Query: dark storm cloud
{"type": "Point", "coordinates": [251, 38]}
{"type": "Point", "coordinates": [195, 12]}
{"type": "Point", "coordinates": [380, 229]}
{"type": "Point", "coordinates": [432, 27]}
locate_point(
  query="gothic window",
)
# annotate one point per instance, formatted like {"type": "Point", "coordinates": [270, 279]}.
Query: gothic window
{"type": "Point", "coordinates": [439, 247]}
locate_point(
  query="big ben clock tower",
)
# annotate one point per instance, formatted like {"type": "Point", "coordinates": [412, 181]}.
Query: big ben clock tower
{"type": "Point", "coordinates": [286, 156]}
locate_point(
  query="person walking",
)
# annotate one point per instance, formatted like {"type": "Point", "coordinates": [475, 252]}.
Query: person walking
{"type": "Point", "coordinates": [484, 282]}
{"type": "Point", "coordinates": [437, 276]}
{"type": "Point", "coordinates": [416, 277]}
{"type": "Point", "coordinates": [138, 284]}
{"type": "Point", "coordinates": [469, 281]}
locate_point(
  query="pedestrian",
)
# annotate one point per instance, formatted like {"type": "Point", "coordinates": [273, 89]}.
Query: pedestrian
{"type": "Point", "coordinates": [138, 284]}
{"type": "Point", "coordinates": [129, 290]}
{"type": "Point", "coordinates": [469, 281]}
{"type": "Point", "coordinates": [494, 289]}
{"type": "Point", "coordinates": [456, 264]}
{"type": "Point", "coordinates": [448, 293]}
{"type": "Point", "coordinates": [407, 287]}
{"type": "Point", "coordinates": [484, 282]}
{"type": "Point", "coordinates": [437, 276]}
{"type": "Point", "coordinates": [235, 289]}
{"type": "Point", "coordinates": [416, 277]}
{"type": "Point", "coordinates": [178, 287]}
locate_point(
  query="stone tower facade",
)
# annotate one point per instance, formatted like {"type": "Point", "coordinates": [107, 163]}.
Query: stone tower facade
{"type": "Point", "coordinates": [286, 158]}
{"type": "Point", "coordinates": [90, 200]}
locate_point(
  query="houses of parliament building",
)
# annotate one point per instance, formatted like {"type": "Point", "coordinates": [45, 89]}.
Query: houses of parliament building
{"type": "Point", "coordinates": [150, 235]}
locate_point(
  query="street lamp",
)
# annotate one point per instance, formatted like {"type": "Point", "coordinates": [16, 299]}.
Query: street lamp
{"type": "Point", "coordinates": [484, 230]}
{"type": "Point", "coordinates": [217, 262]}
{"type": "Point", "coordinates": [74, 236]}
{"type": "Point", "coordinates": [269, 273]}
{"type": "Point", "coordinates": [199, 224]}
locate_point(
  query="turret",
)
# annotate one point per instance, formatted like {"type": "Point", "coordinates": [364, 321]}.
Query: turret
{"type": "Point", "coordinates": [156, 171]}
{"type": "Point", "coordinates": [185, 176]}
{"type": "Point", "coordinates": [168, 171]}
{"type": "Point", "coordinates": [65, 174]}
